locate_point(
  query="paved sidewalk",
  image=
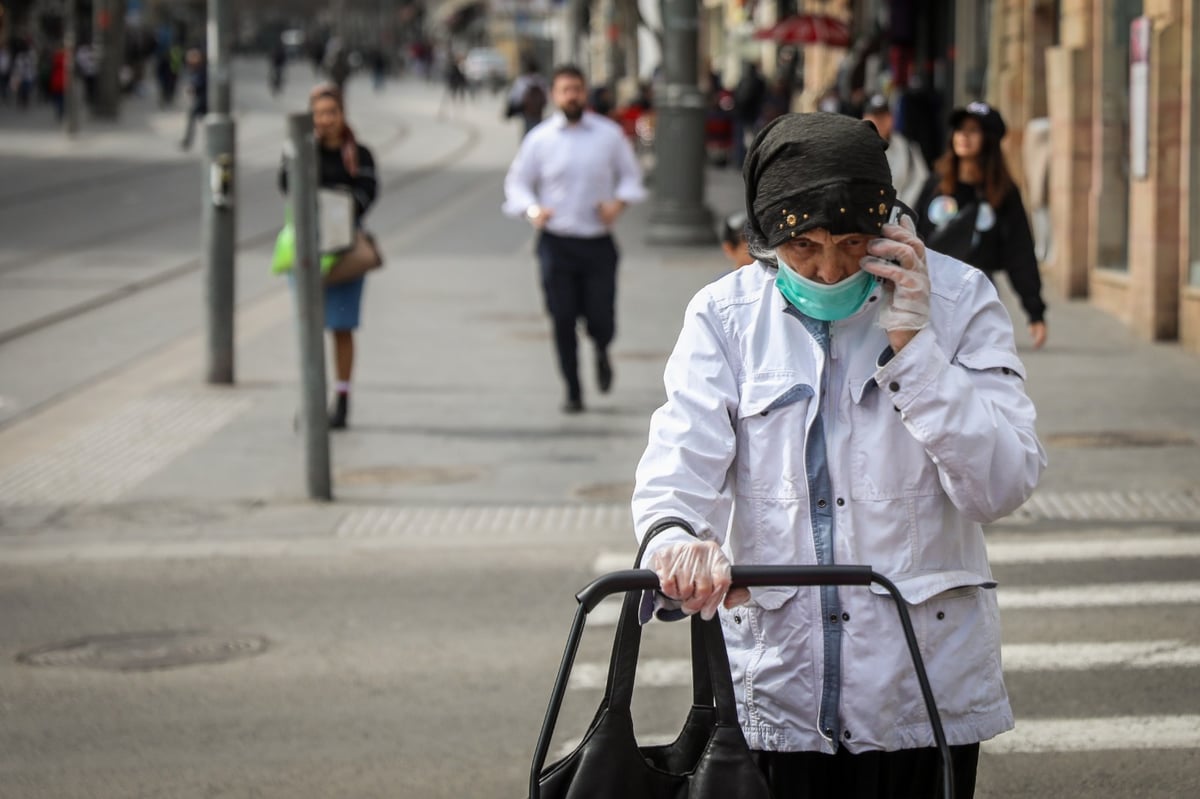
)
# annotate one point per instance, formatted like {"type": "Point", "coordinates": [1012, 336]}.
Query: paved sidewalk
{"type": "Point", "coordinates": [455, 411]}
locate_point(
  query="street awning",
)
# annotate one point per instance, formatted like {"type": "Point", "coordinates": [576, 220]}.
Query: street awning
{"type": "Point", "coordinates": [807, 29]}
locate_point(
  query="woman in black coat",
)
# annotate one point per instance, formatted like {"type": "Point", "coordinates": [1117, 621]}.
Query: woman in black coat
{"type": "Point", "coordinates": [970, 209]}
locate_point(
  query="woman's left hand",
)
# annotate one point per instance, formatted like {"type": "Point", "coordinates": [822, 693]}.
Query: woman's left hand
{"type": "Point", "coordinates": [899, 258]}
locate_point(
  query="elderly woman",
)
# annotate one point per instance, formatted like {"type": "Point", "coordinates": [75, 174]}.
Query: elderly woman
{"type": "Point", "coordinates": [345, 164]}
{"type": "Point", "coordinates": [850, 397]}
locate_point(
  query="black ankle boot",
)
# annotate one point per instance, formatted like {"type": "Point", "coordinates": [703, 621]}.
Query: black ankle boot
{"type": "Point", "coordinates": [339, 412]}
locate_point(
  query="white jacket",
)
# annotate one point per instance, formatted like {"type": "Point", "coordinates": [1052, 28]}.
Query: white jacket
{"type": "Point", "coordinates": [920, 451]}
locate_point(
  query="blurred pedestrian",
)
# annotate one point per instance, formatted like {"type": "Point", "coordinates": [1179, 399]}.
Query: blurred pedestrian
{"type": "Point", "coordinates": [733, 240]}
{"type": "Point", "coordinates": [58, 81]}
{"type": "Point", "coordinates": [909, 170]}
{"type": "Point", "coordinates": [971, 209]}
{"type": "Point", "coordinates": [527, 98]}
{"type": "Point", "coordinates": [166, 71]}
{"type": "Point", "coordinates": [25, 72]}
{"type": "Point", "coordinates": [85, 63]}
{"type": "Point", "coordinates": [343, 163]}
{"type": "Point", "coordinates": [379, 68]}
{"type": "Point", "coordinates": [850, 398]}
{"type": "Point", "coordinates": [748, 97]}
{"type": "Point", "coordinates": [337, 64]}
{"type": "Point", "coordinates": [278, 68]}
{"type": "Point", "coordinates": [197, 89]}
{"type": "Point", "coordinates": [456, 83]}
{"type": "Point", "coordinates": [572, 177]}
{"type": "Point", "coordinates": [6, 63]}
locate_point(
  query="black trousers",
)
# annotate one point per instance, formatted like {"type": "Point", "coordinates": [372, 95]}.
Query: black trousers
{"type": "Point", "coordinates": [906, 774]}
{"type": "Point", "coordinates": [579, 279]}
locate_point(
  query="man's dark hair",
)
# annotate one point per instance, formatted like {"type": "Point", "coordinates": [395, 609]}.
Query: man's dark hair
{"type": "Point", "coordinates": [567, 71]}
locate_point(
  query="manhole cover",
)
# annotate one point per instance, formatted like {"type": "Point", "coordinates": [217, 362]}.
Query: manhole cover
{"type": "Point", "coordinates": [412, 475]}
{"type": "Point", "coordinates": [1115, 439]}
{"type": "Point", "coordinates": [606, 492]}
{"type": "Point", "coordinates": [146, 651]}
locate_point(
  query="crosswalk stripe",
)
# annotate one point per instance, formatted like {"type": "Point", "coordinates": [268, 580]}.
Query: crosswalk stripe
{"type": "Point", "coordinates": [1102, 595]}
{"type": "Point", "coordinates": [1031, 550]}
{"type": "Point", "coordinates": [1036, 736]}
{"type": "Point", "coordinates": [1067, 656]}
{"type": "Point", "coordinates": [1046, 736]}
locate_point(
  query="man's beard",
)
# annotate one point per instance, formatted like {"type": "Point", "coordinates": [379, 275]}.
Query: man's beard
{"type": "Point", "coordinates": [573, 112]}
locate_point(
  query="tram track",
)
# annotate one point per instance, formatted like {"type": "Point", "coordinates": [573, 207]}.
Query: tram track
{"type": "Point", "coordinates": [404, 180]}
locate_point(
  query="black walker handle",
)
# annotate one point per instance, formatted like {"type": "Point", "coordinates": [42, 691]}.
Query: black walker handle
{"type": "Point", "coordinates": [742, 577]}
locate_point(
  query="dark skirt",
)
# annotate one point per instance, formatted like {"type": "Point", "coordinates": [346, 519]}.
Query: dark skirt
{"type": "Point", "coordinates": [906, 774]}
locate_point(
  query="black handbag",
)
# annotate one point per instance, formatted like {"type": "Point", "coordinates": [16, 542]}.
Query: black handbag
{"type": "Point", "coordinates": [709, 759]}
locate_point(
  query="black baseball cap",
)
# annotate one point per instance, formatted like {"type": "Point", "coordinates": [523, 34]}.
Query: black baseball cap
{"type": "Point", "coordinates": [875, 104]}
{"type": "Point", "coordinates": [989, 118]}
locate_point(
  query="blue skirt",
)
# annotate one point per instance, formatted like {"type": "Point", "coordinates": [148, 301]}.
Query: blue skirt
{"type": "Point", "coordinates": [343, 304]}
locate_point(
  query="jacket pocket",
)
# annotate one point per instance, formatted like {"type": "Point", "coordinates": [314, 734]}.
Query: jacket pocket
{"type": "Point", "coordinates": [887, 461]}
{"type": "Point", "coordinates": [771, 426]}
{"type": "Point", "coordinates": [958, 633]}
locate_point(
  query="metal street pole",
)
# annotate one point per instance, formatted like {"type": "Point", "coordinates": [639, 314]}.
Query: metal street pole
{"type": "Point", "coordinates": [310, 302]}
{"type": "Point", "coordinates": [220, 194]}
{"type": "Point", "coordinates": [70, 73]}
{"type": "Point", "coordinates": [678, 214]}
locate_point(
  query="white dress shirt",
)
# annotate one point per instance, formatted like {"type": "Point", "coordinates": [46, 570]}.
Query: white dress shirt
{"type": "Point", "coordinates": [570, 169]}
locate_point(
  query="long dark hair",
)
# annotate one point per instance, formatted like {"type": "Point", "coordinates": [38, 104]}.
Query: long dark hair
{"type": "Point", "coordinates": [997, 181]}
{"type": "Point", "coordinates": [328, 91]}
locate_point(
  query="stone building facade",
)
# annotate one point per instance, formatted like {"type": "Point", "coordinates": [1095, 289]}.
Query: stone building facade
{"type": "Point", "coordinates": [1117, 81]}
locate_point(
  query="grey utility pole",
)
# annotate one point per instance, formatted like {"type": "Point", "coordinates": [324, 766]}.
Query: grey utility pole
{"type": "Point", "coordinates": [70, 71]}
{"type": "Point", "coordinates": [220, 193]}
{"type": "Point", "coordinates": [310, 302]}
{"type": "Point", "coordinates": [678, 214]}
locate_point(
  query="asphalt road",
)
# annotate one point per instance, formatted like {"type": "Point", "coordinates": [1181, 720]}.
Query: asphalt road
{"type": "Point", "coordinates": [391, 664]}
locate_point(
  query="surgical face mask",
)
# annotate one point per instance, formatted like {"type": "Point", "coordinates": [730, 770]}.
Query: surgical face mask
{"type": "Point", "coordinates": [828, 302]}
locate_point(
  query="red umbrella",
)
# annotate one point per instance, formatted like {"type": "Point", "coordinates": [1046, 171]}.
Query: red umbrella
{"type": "Point", "coordinates": [808, 29]}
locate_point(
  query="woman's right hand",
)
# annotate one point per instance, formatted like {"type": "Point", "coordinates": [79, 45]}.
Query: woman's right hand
{"type": "Point", "coordinates": [1037, 331]}
{"type": "Point", "coordinates": [697, 574]}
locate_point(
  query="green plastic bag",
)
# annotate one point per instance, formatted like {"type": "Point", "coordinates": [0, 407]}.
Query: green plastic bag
{"type": "Point", "coordinates": [284, 255]}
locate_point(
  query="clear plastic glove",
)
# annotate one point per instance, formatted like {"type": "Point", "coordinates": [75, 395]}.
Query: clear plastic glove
{"type": "Point", "coordinates": [697, 574]}
{"type": "Point", "coordinates": [899, 258]}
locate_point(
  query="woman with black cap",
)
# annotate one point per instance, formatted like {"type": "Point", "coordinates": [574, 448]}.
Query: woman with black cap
{"type": "Point", "coordinates": [971, 209]}
{"type": "Point", "coordinates": [850, 397]}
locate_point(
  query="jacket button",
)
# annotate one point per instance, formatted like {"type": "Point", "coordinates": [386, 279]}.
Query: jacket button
{"type": "Point", "coordinates": [845, 617]}
{"type": "Point", "coordinates": [828, 733]}
{"type": "Point", "coordinates": [840, 502]}
{"type": "Point", "coordinates": [846, 735]}
{"type": "Point", "coordinates": [737, 619]}
{"type": "Point", "coordinates": [821, 503]}
{"type": "Point", "coordinates": [894, 386]}
{"type": "Point", "coordinates": [833, 618]}
{"type": "Point", "coordinates": [941, 615]}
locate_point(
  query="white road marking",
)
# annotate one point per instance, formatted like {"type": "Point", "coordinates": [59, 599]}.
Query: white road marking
{"type": "Point", "coordinates": [1036, 736]}
{"type": "Point", "coordinates": [1030, 550]}
{"type": "Point", "coordinates": [1057, 550]}
{"type": "Point", "coordinates": [1043, 736]}
{"type": "Point", "coordinates": [1067, 656]}
{"type": "Point", "coordinates": [1102, 595]}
